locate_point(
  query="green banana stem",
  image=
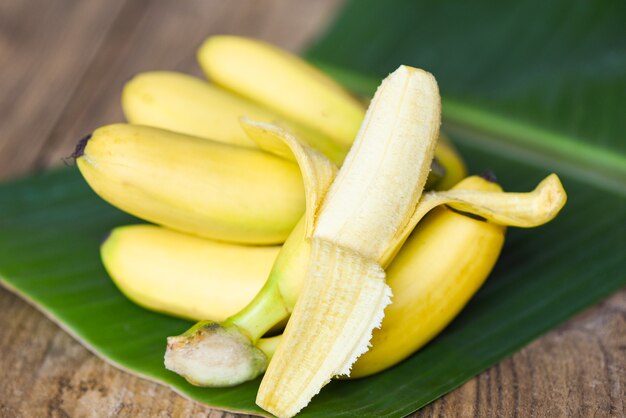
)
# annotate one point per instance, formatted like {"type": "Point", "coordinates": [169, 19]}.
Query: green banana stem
{"type": "Point", "coordinates": [275, 300]}
{"type": "Point", "coordinates": [268, 345]}
{"type": "Point", "coordinates": [234, 340]}
{"type": "Point", "coordinates": [266, 310]}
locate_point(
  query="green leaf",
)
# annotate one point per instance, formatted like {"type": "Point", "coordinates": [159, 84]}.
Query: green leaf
{"type": "Point", "coordinates": [548, 79]}
{"type": "Point", "coordinates": [528, 89]}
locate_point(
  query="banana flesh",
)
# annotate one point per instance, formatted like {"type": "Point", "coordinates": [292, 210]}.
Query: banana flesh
{"type": "Point", "coordinates": [193, 185]}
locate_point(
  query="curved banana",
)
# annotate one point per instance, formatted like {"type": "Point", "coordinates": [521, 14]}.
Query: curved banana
{"type": "Point", "coordinates": [304, 94]}
{"type": "Point", "coordinates": [439, 268]}
{"type": "Point", "coordinates": [182, 275]}
{"type": "Point", "coordinates": [186, 104]}
{"type": "Point", "coordinates": [190, 184]}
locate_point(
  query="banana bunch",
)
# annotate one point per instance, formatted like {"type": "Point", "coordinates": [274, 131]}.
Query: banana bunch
{"type": "Point", "coordinates": [233, 191]}
{"type": "Point", "coordinates": [268, 215]}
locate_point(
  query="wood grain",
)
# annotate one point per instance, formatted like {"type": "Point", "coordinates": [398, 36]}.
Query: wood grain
{"type": "Point", "coordinates": [63, 64]}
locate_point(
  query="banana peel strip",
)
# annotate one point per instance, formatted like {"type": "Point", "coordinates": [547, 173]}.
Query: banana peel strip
{"type": "Point", "coordinates": [335, 271]}
{"type": "Point", "coordinates": [318, 172]}
{"type": "Point", "coordinates": [524, 210]}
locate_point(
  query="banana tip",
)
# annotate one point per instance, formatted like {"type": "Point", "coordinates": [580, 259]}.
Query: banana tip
{"type": "Point", "coordinates": [490, 176]}
{"type": "Point", "coordinates": [105, 237]}
{"type": "Point", "coordinates": [80, 147]}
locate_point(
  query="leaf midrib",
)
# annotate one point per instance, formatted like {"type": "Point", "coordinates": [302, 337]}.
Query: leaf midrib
{"type": "Point", "coordinates": [592, 164]}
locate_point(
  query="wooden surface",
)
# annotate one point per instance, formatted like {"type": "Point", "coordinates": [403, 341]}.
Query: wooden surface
{"type": "Point", "coordinates": [63, 63]}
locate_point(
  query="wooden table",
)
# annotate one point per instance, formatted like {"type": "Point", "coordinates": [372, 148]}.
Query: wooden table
{"type": "Point", "coordinates": [63, 63]}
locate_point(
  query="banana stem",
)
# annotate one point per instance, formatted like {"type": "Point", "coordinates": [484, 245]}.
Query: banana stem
{"type": "Point", "coordinates": [268, 345]}
{"type": "Point", "coordinates": [258, 317]}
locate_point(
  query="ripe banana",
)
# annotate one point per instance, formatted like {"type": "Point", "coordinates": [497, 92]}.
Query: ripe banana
{"type": "Point", "coordinates": [442, 264]}
{"type": "Point", "coordinates": [199, 354]}
{"type": "Point", "coordinates": [186, 104]}
{"type": "Point", "coordinates": [329, 276]}
{"type": "Point", "coordinates": [371, 199]}
{"type": "Point", "coordinates": [183, 275]}
{"type": "Point", "coordinates": [182, 103]}
{"type": "Point", "coordinates": [206, 188]}
{"type": "Point", "coordinates": [284, 83]}
{"type": "Point", "coordinates": [194, 185]}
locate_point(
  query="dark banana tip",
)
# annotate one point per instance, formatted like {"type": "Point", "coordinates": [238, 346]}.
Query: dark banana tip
{"type": "Point", "coordinates": [80, 147]}
{"type": "Point", "coordinates": [105, 237]}
{"type": "Point", "coordinates": [468, 214]}
{"type": "Point", "coordinates": [489, 175]}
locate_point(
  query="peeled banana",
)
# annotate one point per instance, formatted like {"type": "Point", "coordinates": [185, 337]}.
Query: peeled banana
{"type": "Point", "coordinates": [194, 185]}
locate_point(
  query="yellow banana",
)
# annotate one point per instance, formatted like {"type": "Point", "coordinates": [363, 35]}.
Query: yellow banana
{"type": "Point", "coordinates": [299, 92]}
{"type": "Point", "coordinates": [207, 342]}
{"type": "Point", "coordinates": [193, 185]}
{"type": "Point", "coordinates": [183, 275]}
{"type": "Point", "coordinates": [329, 278]}
{"type": "Point", "coordinates": [255, 69]}
{"type": "Point", "coordinates": [198, 186]}
{"type": "Point", "coordinates": [368, 204]}
{"type": "Point", "coordinates": [453, 166]}
{"type": "Point", "coordinates": [443, 263]}
{"type": "Point", "coordinates": [186, 104]}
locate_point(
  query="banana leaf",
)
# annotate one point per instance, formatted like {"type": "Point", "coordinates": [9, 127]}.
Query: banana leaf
{"type": "Point", "coordinates": [528, 89]}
